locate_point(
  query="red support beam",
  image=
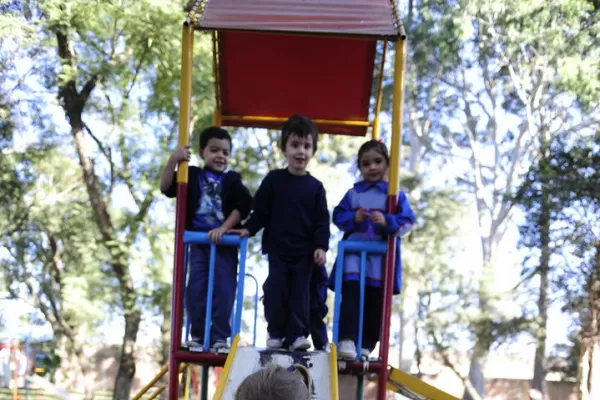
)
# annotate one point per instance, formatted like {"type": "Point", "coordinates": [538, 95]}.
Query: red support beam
{"type": "Point", "coordinates": [177, 291]}
{"type": "Point", "coordinates": [359, 367]}
{"type": "Point", "coordinates": [388, 291]}
{"type": "Point", "coordinates": [204, 359]}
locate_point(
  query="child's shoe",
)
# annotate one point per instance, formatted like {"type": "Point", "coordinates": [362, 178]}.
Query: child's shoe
{"type": "Point", "coordinates": [220, 344]}
{"type": "Point", "coordinates": [365, 353]}
{"type": "Point", "coordinates": [194, 343]}
{"type": "Point", "coordinates": [274, 343]}
{"type": "Point", "coordinates": [347, 350]}
{"type": "Point", "coordinates": [301, 343]}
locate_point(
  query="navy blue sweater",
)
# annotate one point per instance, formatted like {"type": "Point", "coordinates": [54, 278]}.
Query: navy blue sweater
{"type": "Point", "coordinates": [293, 211]}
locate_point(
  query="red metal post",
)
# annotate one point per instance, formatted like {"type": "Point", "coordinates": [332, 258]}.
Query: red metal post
{"type": "Point", "coordinates": [176, 293]}
{"type": "Point", "coordinates": [386, 312]}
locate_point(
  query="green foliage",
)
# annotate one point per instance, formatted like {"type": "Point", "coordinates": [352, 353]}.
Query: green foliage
{"type": "Point", "coordinates": [53, 254]}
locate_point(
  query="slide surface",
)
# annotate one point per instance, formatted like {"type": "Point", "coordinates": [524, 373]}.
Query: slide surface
{"type": "Point", "coordinates": [243, 361]}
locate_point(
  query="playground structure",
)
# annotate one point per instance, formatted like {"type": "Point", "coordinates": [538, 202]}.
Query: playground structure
{"type": "Point", "coordinates": [273, 59]}
{"type": "Point", "coordinates": [13, 365]}
{"type": "Point", "coordinates": [17, 365]}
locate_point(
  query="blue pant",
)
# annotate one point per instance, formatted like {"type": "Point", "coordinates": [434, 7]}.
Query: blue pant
{"type": "Point", "coordinates": [371, 316]}
{"type": "Point", "coordinates": [287, 297]}
{"type": "Point", "coordinates": [225, 280]}
{"type": "Point", "coordinates": [318, 307]}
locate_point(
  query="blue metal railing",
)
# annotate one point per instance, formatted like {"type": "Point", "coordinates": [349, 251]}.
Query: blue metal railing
{"type": "Point", "coordinates": [363, 248]}
{"type": "Point", "coordinates": [191, 237]}
{"type": "Point", "coordinates": [255, 307]}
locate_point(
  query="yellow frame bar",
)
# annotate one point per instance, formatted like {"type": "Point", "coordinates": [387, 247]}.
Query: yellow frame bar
{"type": "Point", "coordinates": [224, 378]}
{"type": "Point", "coordinates": [185, 98]}
{"type": "Point", "coordinates": [376, 126]}
{"type": "Point", "coordinates": [397, 114]}
{"type": "Point", "coordinates": [248, 118]}
{"type": "Point", "coordinates": [150, 384]}
{"type": "Point", "coordinates": [217, 78]}
{"type": "Point", "coordinates": [416, 385]}
{"type": "Point", "coordinates": [333, 371]}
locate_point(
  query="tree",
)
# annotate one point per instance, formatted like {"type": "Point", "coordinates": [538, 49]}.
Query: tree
{"type": "Point", "coordinates": [567, 183]}
{"type": "Point", "coordinates": [51, 253]}
{"type": "Point", "coordinates": [113, 67]}
{"type": "Point", "coordinates": [492, 79]}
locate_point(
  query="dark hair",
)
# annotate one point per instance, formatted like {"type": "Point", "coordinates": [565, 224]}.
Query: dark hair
{"type": "Point", "coordinates": [273, 382]}
{"type": "Point", "coordinates": [376, 145]}
{"type": "Point", "coordinates": [301, 126]}
{"type": "Point", "coordinates": [213, 132]}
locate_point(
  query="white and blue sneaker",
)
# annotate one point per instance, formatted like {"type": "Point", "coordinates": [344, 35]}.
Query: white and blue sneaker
{"type": "Point", "coordinates": [274, 343]}
{"type": "Point", "coordinates": [347, 350]}
{"type": "Point", "coordinates": [301, 344]}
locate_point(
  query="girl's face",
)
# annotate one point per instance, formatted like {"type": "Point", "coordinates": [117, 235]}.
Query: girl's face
{"type": "Point", "coordinates": [373, 166]}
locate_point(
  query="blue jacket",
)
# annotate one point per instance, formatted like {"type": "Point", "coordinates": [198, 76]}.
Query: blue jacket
{"type": "Point", "coordinates": [373, 197]}
{"type": "Point", "coordinates": [234, 195]}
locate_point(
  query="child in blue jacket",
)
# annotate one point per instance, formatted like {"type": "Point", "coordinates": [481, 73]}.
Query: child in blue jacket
{"type": "Point", "coordinates": [361, 216]}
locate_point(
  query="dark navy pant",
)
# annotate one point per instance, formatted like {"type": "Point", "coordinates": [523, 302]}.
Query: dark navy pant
{"type": "Point", "coordinates": [371, 316]}
{"type": "Point", "coordinates": [225, 280]}
{"type": "Point", "coordinates": [318, 307]}
{"type": "Point", "coordinates": [287, 297]}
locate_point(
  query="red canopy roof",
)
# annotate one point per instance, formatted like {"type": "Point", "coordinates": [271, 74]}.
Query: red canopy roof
{"type": "Point", "coordinates": [277, 58]}
{"type": "Point", "coordinates": [275, 75]}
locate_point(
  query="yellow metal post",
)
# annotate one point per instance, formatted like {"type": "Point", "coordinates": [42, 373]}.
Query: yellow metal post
{"type": "Point", "coordinates": [399, 380]}
{"type": "Point", "coordinates": [217, 77]}
{"type": "Point", "coordinates": [151, 383]}
{"type": "Point", "coordinates": [217, 121]}
{"type": "Point", "coordinates": [397, 115]}
{"type": "Point", "coordinates": [226, 369]}
{"type": "Point", "coordinates": [333, 371]}
{"type": "Point", "coordinates": [185, 99]}
{"type": "Point", "coordinates": [149, 386]}
{"type": "Point", "coordinates": [376, 126]}
{"type": "Point", "coordinates": [186, 389]}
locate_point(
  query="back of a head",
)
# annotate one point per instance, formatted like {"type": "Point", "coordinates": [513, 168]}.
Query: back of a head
{"type": "Point", "coordinates": [273, 383]}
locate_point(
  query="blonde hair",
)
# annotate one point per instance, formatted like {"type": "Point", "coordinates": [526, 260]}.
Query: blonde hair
{"type": "Point", "coordinates": [273, 383]}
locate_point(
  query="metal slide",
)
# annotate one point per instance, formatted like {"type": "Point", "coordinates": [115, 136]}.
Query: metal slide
{"type": "Point", "coordinates": [318, 369]}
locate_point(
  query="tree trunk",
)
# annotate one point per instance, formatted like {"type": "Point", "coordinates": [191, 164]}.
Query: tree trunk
{"type": "Point", "coordinates": [539, 368]}
{"type": "Point", "coordinates": [126, 371]}
{"type": "Point", "coordinates": [73, 102]}
{"type": "Point", "coordinates": [588, 367]}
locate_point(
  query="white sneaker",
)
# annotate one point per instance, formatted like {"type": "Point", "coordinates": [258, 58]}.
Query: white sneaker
{"type": "Point", "coordinates": [347, 350]}
{"type": "Point", "coordinates": [220, 344]}
{"type": "Point", "coordinates": [274, 343]}
{"type": "Point", "coordinates": [365, 353]}
{"type": "Point", "coordinates": [301, 343]}
{"type": "Point", "coordinates": [193, 344]}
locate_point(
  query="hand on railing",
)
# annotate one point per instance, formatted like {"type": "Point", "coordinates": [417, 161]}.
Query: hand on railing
{"type": "Point", "coordinates": [241, 232]}
{"type": "Point", "coordinates": [216, 234]}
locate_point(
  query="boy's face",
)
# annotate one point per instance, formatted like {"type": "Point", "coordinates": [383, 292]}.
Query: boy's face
{"type": "Point", "coordinates": [216, 154]}
{"type": "Point", "coordinates": [298, 152]}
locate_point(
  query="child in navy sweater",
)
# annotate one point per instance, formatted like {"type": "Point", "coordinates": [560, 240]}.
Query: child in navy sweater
{"type": "Point", "coordinates": [290, 205]}
{"type": "Point", "coordinates": [361, 216]}
{"type": "Point", "coordinates": [217, 201]}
